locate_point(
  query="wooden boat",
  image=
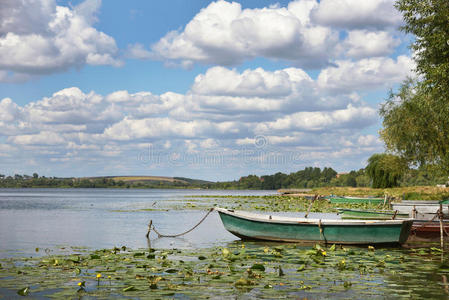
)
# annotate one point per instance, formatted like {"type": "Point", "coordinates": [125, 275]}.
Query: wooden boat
{"type": "Point", "coordinates": [421, 206]}
{"type": "Point", "coordinates": [287, 229]}
{"type": "Point", "coordinates": [345, 199]}
{"type": "Point", "coordinates": [428, 230]}
{"type": "Point", "coordinates": [347, 213]}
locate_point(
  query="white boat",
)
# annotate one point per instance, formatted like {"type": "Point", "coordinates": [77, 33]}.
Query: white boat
{"type": "Point", "coordinates": [421, 207]}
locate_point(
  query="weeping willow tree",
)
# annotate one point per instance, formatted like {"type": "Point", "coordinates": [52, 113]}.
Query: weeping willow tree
{"type": "Point", "coordinates": [385, 170]}
{"type": "Point", "coordinates": [416, 118]}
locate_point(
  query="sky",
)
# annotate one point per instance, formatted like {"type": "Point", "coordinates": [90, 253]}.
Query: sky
{"type": "Point", "coordinates": [211, 90]}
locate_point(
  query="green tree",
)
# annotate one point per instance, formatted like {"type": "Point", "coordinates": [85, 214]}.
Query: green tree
{"type": "Point", "coordinates": [416, 118]}
{"type": "Point", "coordinates": [385, 170]}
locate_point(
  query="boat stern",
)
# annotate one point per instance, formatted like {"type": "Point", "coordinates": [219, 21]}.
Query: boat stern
{"type": "Point", "coordinates": [405, 231]}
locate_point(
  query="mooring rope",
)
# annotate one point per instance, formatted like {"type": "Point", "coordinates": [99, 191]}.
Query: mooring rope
{"type": "Point", "coordinates": [151, 227]}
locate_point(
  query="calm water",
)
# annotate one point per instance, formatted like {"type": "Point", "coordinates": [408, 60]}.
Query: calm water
{"type": "Point", "coordinates": [104, 218]}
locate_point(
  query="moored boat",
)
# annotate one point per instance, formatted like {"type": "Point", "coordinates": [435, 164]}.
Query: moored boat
{"type": "Point", "coordinates": [346, 199]}
{"type": "Point", "coordinates": [420, 206]}
{"type": "Point", "coordinates": [287, 229]}
{"type": "Point", "coordinates": [347, 213]}
{"type": "Point", "coordinates": [428, 229]}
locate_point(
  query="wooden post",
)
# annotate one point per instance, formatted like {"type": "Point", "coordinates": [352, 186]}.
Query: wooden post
{"type": "Point", "coordinates": [440, 214]}
{"type": "Point", "coordinates": [310, 206]}
{"type": "Point", "coordinates": [395, 213]}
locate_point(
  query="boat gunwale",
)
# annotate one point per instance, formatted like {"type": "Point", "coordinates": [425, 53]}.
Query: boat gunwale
{"type": "Point", "coordinates": [265, 218]}
{"type": "Point", "coordinates": [385, 212]}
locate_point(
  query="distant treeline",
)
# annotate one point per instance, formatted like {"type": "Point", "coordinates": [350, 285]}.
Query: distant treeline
{"type": "Point", "coordinates": [35, 181]}
{"type": "Point", "coordinates": [310, 177]}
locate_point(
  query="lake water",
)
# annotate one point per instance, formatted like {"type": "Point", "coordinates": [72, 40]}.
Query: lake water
{"type": "Point", "coordinates": [104, 218]}
{"type": "Point", "coordinates": [57, 220]}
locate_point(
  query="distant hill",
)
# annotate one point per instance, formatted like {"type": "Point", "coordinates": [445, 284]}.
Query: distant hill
{"type": "Point", "coordinates": [177, 181]}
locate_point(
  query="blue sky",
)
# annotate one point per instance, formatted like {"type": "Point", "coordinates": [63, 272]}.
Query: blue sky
{"type": "Point", "coordinates": [203, 89]}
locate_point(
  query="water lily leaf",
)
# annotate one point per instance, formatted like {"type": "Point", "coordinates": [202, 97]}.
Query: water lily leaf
{"type": "Point", "coordinates": [153, 286]}
{"type": "Point", "coordinates": [243, 282]}
{"type": "Point", "coordinates": [259, 267]}
{"type": "Point", "coordinates": [151, 256]}
{"type": "Point", "coordinates": [95, 256]}
{"type": "Point", "coordinates": [137, 254]}
{"type": "Point", "coordinates": [24, 291]}
{"type": "Point", "coordinates": [434, 249]}
{"type": "Point", "coordinates": [171, 271]}
{"type": "Point", "coordinates": [75, 258]}
{"type": "Point", "coordinates": [301, 268]}
{"type": "Point", "coordinates": [129, 289]}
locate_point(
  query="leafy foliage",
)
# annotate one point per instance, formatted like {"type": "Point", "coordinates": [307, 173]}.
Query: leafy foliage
{"type": "Point", "coordinates": [416, 118]}
{"type": "Point", "coordinates": [385, 170]}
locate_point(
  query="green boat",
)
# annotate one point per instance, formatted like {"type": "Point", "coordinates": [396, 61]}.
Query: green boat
{"type": "Point", "coordinates": [370, 214]}
{"type": "Point", "coordinates": [287, 229]}
{"type": "Point", "coordinates": [343, 199]}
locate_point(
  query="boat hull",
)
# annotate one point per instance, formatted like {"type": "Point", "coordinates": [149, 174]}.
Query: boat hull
{"type": "Point", "coordinates": [426, 229]}
{"type": "Point", "coordinates": [334, 232]}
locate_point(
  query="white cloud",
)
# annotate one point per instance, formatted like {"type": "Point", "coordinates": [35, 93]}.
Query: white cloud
{"type": "Point", "coordinates": [39, 37]}
{"type": "Point", "coordinates": [369, 140]}
{"type": "Point", "coordinates": [287, 107]}
{"type": "Point", "coordinates": [9, 111]}
{"type": "Point", "coordinates": [128, 129]}
{"type": "Point", "coordinates": [305, 33]}
{"type": "Point", "coordinates": [42, 138]}
{"type": "Point", "coordinates": [221, 81]}
{"type": "Point", "coordinates": [357, 14]}
{"type": "Point", "coordinates": [370, 73]}
{"type": "Point", "coordinates": [224, 33]}
{"type": "Point", "coordinates": [363, 43]}
{"type": "Point", "coordinates": [254, 91]}
{"type": "Point", "coordinates": [350, 117]}
{"type": "Point", "coordinates": [138, 51]}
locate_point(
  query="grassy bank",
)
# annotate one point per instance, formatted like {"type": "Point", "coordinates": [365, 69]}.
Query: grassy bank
{"type": "Point", "coordinates": [406, 193]}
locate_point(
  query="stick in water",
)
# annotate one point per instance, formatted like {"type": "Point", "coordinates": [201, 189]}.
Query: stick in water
{"type": "Point", "coordinates": [310, 206]}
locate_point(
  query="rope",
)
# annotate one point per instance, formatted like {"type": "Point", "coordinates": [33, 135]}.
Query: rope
{"type": "Point", "coordinates": [151, 227]}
